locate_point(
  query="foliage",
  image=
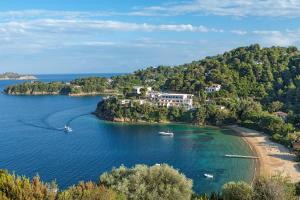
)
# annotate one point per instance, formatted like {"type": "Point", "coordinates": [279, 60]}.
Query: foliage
{"type": "Point", "coordinates": [89, 191]}
{"type": "Point", "coordinates": [142, 182]}
{"type": "Point", "coordinates": [298, 188]}
{"type": "Point", "coordinates": [237, 191]}
{"type": "Point", "coordinates": [275, 187]}
{"type": "Point", "coordinates": [13, 187]}
{"type": "Point", "coordinates": [155, 182]}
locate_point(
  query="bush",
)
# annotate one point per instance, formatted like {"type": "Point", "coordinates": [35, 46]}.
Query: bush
{"type": "Point", "coordinates": [20, 188]}
{"type": "Point", "coordinates": [89, 191]}
{"type": "Point", "coordinates": [298, 188]}
{"type": "Point", "coordinates": [274, 188]}
{"type": "Point", "coordinates": [237, 191]}
{"type": "Point", "coordinates": [142, 182]}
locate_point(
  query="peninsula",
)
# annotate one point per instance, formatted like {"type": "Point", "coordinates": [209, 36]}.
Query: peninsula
{"type": "Point", "coordinates": [15, 76]}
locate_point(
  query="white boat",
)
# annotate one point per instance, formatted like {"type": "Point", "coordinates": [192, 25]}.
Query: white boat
{"type": "Point", "coordinates": [68, 129]}
{"type": "Point", "coordinates": [166, 133]}
{"type": "Point", "coordinates": [209, 175]}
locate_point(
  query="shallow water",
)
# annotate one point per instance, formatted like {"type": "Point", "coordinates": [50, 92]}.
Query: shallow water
{"type": "Point", "coordinates": [31, 142]}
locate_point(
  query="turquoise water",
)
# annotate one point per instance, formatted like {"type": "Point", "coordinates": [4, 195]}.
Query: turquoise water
{"type": "Point", "coordinates": [32, 142]}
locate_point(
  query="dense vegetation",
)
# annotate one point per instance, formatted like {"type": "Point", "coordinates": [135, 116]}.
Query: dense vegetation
{"type": "Point", "coordinates": [246, 112]}
{"type": "Point", "coordinates": [79, 86]}
{"type": "Point", "coordinates": [142, 182]}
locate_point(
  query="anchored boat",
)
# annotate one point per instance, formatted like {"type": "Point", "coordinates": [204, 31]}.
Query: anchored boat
{"type": "Point", "coordinates": [166, 133]}
{"type": "Point", "coordinates": [209, 175]}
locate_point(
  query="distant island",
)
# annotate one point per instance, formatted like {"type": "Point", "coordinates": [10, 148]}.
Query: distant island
{"type": "Point", "coordinates": [15, 76]}
{"type": "Point", "coordinates": [79, 87]}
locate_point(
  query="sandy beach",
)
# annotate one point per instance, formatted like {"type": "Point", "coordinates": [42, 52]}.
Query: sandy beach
{"type": "Point", "coordinates": [273, 158]}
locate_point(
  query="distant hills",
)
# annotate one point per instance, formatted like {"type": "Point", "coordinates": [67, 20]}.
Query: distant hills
{"type": "Point", "coordinates": [15, 76]}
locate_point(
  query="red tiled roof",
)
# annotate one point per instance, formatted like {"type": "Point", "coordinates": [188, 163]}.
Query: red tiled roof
{"type": "Point", "coordinates": [280, 113]}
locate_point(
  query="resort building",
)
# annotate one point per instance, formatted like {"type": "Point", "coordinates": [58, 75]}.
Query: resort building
{"type": "Point", "coordinates": [172, 99]}
{"type": "Point", "coordinates": [213, 88]}
{"type": "Point", "coordinates": [137, 89]}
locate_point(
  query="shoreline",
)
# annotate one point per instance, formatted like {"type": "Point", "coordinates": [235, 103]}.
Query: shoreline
{"type": "Point", "coordinates": [274, 158]}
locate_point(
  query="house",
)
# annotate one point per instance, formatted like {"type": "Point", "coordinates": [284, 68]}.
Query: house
{"type": "Point", "coordinates": [125, 101]}
{"type": "Point", "coordinates": [281, 114]}
{"type": "Point", "coordinates": [137, 89]}
{"type": "Point", "coordinates": [213, 88]}
{"type": "Point", "coordinates": [220, 107]}
{"type": "Point", "coordinates": [172, 99]}
{"type": "Point", "coordinates": [109, 80]}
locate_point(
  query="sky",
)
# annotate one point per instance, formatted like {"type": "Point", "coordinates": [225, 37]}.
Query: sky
{"type": "Point", "coordinates": [116, 36]}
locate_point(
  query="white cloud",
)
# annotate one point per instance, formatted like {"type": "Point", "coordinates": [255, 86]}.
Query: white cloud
{"type": "Point", "coordinates": [29, 14]}
{"type": "Point", "coordinates": [272, 8]}
{"type": "Point", "coordinates": [239, 32]}
{"type": "Point", "coordinates": [61, 25]}
{"type": "Point", "coordinates": [279, 38]}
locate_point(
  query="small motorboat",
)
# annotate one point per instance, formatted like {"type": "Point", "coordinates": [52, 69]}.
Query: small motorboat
{"type": "Point", "coordinates": [209, 176]}
{"type": "Point", "coordinates": [68, 129]}
{"type": "Point", "coordinates": [166, 133]}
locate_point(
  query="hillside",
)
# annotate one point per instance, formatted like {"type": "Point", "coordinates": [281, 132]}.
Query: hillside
{"type": "Point", "coordinates": [265, 74]}
{"type": "Point", "coordinates": [256, 82]}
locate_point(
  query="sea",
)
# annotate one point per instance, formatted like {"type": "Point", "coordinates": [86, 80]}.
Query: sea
{"type": "Point", "coordinates": [32, 142]}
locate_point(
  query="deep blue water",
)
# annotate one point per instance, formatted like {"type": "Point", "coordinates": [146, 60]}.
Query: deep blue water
{"type": "Point", "coordinates": [31, 142]}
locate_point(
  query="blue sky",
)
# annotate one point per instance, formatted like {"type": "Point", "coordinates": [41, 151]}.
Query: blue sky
{"type": "Point", "coordinates": [90, 36]}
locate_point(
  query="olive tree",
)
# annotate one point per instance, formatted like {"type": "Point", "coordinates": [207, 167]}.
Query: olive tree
{"type": "Point", "coordinates": [143, 182]}
{"type": "Point", "coordinates": [276, 187]}
{"type": "Point", "coordinates": [237, 191]}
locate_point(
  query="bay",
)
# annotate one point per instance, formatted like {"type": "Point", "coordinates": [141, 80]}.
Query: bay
{"type": "Point", "coordinates": [32, 142]}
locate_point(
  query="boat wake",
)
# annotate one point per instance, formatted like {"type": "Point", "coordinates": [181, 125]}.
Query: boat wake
{"type": "Point", "coordinates": [59, 125]}
{"type": "Point", "coordinates": [40, 126]}
{"type": "Point", "coordinates": [47, 126]}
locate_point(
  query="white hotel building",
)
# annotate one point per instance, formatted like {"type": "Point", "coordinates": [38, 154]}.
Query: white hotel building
{"type": "Point", "coordinates": [172, 99]}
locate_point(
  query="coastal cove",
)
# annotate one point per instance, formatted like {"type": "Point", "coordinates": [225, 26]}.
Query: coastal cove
{"type": "Point", "coordinates": [35, 144]}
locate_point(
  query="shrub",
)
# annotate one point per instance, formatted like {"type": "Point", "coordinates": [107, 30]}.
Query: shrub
{"type": "Point", "coordinates": [89, 191]}
{"type": "Point", "coordinates": [20, 188]}
{"type": "Point", "coordinates": [237, 191]}
{"type": "Point", "coordinates": [274, 188]}
{"type": "Point", "coordinates": [142, 182]}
